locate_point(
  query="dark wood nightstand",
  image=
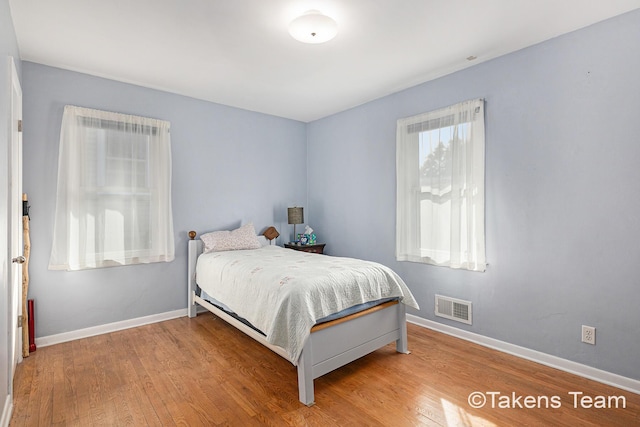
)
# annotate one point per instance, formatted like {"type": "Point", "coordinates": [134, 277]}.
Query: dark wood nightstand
{"type": "Point", "coordinates": [314, 249]}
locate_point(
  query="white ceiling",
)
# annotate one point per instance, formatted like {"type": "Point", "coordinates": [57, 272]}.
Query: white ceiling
{"type": "Point", "coordinates": [239, 52]}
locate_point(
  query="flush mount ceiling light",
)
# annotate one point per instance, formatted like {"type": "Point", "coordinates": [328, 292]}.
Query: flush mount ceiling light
{"type": "Point", "coordinates": [313, 27]}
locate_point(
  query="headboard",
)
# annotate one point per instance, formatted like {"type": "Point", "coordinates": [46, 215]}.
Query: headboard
{"type": "Point", "coordinates": [195, 248]}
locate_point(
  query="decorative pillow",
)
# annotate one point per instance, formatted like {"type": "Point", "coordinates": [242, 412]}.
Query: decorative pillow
{"type": "Point", "coordinates": [240, 238]}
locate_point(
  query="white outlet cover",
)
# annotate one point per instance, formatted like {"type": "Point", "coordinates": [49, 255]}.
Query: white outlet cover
{"type": "Point", "coordinates": [589, 334]}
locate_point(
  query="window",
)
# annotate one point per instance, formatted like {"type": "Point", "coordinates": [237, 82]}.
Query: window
{"type": "Point", "coordinates": [114, 191]}
{"type": "Point", "coordinates": [440, 187]}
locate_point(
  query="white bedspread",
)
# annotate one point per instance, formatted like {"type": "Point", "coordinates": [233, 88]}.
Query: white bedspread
{"type": "Point", "coordinates": [284, 292]}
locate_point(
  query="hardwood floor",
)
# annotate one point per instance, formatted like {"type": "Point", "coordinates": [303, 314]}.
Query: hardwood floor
{"type": "Point", "coordinates": [202, 371]}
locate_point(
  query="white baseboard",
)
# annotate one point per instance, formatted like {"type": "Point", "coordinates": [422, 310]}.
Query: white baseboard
{"type": "Point", "coordinates": [109, 327]}
{"type": "Point", "coordinates": [575, 368]}
{"type": "Point", "coordinates": [6, 412]}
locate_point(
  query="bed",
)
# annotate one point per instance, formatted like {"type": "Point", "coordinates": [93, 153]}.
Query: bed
{"type": "Point", "coordinates": [317, 333]}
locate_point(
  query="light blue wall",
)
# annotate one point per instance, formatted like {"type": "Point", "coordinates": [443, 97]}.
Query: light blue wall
{"type": "Point", "coordinates": [561, 208]}
{"type": "Point", "coordinates": [8, 41]}
{"type": "Point", "coordinates": [562, 193]}
{"type": "Point", "coordinates": [229, 166]}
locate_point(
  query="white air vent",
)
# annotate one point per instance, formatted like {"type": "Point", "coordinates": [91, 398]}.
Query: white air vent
{"type": "Point", "coordinates": [454, 309]}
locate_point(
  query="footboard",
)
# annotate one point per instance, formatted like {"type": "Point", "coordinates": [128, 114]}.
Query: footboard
{"type": "Point", "coordinates": [348, 339]}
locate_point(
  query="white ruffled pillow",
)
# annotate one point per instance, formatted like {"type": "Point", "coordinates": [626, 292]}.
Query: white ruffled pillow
{"type": "Point", "coordinates": [240, 238]}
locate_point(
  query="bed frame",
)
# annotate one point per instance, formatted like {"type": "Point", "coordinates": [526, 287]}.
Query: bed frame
{"type": "Point", "coordinates": [330, 345]}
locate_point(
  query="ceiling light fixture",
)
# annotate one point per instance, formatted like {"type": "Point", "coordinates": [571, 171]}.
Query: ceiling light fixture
{"type": "Point", "coordinates": [313, 27]}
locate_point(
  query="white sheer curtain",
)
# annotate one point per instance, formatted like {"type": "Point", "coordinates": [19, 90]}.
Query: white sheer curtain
{"type": "Point", "coordinates": [440, 187]}
{"type": "Point", "coordinates": [113, 203]}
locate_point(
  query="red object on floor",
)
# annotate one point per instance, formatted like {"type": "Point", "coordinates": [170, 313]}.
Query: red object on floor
{"type": "Point", "coordinates": [32, 328]}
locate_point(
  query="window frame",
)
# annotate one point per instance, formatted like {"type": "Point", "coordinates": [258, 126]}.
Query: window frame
{"type": "Point", "coordinates": [463, 244]}
{"type": "Point", "coordinates": [109, 210]}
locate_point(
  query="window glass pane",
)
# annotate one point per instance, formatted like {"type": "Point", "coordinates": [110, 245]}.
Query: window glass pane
{"type": "Point", "coordinates": [435, 160]}
{"type": "Point", "coordinates": [116, 182]}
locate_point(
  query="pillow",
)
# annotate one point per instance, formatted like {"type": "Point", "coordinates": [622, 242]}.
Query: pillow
{"type": "Point", "coordinates": [240, 238]}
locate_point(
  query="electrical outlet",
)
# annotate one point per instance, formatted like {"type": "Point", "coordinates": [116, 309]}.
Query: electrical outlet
{"type": "Point", "coordinates": [589, 334]}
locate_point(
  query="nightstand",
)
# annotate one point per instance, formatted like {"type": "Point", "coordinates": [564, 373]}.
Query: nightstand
{"type": "Point", "coordinates": [314, 249]}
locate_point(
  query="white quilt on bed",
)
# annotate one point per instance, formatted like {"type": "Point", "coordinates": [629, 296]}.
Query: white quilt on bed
{"type": "Point", "coordinates": [283, 292]}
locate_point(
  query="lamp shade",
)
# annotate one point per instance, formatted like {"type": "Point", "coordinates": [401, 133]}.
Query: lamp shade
{"type": "Point", "coordinates": [295, 215]}
{"type": "Point", "coordinates": [313, 27]}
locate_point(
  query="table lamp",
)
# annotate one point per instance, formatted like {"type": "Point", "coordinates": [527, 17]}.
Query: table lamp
{"type": "Point", "coordinates": [295, 216]}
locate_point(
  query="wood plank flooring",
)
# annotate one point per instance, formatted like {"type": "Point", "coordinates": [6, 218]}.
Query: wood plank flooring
{"type": "Point", "coordinates": [203, 372]}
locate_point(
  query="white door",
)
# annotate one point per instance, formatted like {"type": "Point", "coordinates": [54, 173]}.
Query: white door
{"type": "Point", "coordinates": [15, 220]}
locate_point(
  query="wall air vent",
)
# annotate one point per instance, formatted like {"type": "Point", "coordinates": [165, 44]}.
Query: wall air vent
{"type": "Point", "coordinates": [454, 309]}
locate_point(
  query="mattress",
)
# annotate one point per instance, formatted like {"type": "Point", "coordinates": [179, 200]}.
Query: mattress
{"type": "Point", "coordinates": [343, 313]}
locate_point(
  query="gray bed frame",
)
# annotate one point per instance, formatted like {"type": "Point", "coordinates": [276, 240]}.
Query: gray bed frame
{"type": "Point", "coordinates": [330, 345]}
